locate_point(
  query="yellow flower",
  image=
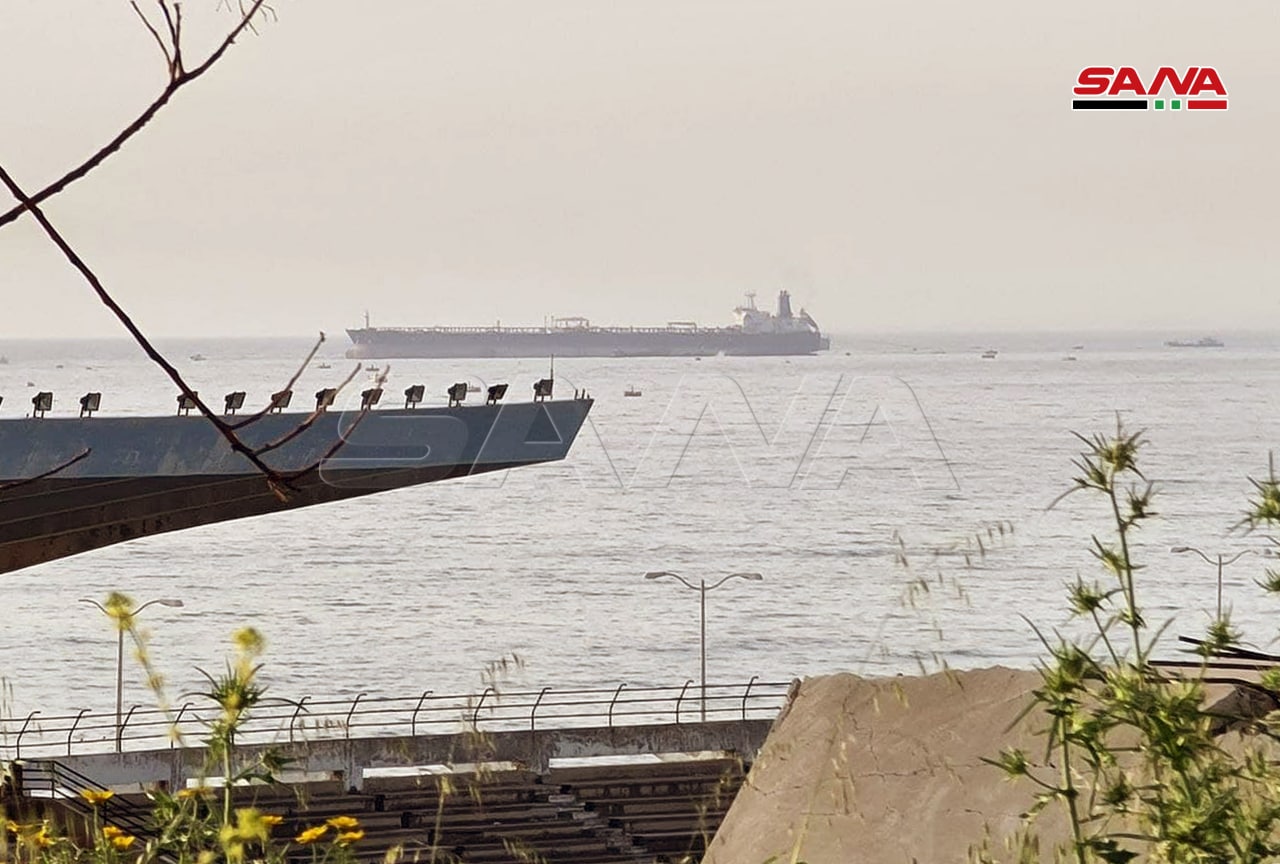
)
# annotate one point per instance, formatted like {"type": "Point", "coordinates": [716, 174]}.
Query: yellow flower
{"type": "Point", "coordinates": [348, 837]}
{"type": "Point", "coordinates": [249, 641]}
{"type": "Point", "coordinates": [119, 608]}
{"type": "Point", "coordinates": [313, 834]}
{"type": "Point", "coordinates": [193, 792]}
{"type": "Point", "coordinates": [96, 796]}
{"type": "Point", "coordinates": [343, 823]}
{"type": "Point", "coordinates": [111, 832]}
{"type": "Point", "coordinates": [41, 837]}
{"type": "Point", "coordinates": [251, 825]}
{"type": "Point", "coordinates": [232, 844]}
{"type": "Point", "coordinates": [271, 819]}
{"type": "Point", "coordinates": [123, 841]}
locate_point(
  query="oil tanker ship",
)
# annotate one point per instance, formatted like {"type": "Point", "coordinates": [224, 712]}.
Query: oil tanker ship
{"type": "Point", "coordinates": [757, 332]}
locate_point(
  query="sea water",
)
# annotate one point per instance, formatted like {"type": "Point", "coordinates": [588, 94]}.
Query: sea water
{"type": "Point", "coordinates": [893, 493]}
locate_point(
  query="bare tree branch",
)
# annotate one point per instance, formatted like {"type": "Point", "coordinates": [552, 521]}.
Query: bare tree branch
{"type": "Point", "coordinates": [177, 38]}
{"type": "Point", "coordinates": [177, 79]}
{"type": "Point", "coordinates": [164, 49]}
{"type": "Point", "coordinates": [280, 482]}
{"type": "Point", "coordinates": [312, 418]}
{"type": "Point", "coordinates": [76, 261]}
{"type": "Point", "coordinates": [342, 438]}
{"type": "Point", "coordinates": [253, 418]}
{"type": "Point", "coordinates": [168, 19]}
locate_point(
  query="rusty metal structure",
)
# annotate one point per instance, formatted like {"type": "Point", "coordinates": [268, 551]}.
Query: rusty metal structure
{"type": "Point", "coordinates": [75, 483]}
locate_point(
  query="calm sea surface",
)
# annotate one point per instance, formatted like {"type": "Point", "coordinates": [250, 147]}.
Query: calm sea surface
{"type": "Point", "coordinates": [844, 479]}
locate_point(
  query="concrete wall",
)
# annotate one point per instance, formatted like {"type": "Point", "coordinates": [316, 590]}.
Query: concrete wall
{"type": "Point", "coordinates": [322, 759]}
{"type": "Point", "coordinates": [888, 771]}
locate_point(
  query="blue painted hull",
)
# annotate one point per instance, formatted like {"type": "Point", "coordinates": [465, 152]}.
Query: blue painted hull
{"type": "Point", "coordinates": [147, 475]}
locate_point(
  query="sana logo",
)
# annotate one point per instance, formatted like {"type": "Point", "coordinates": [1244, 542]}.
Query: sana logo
{"type": "Point", "coordinates": [1195, 88]}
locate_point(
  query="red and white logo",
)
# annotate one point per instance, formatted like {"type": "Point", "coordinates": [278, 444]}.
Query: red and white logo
{"type": "Point", "coordinates": [1193, 88]}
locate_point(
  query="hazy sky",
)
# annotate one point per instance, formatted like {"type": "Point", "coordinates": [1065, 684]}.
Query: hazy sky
{"type": "Point", "coordinates": [896, 165]}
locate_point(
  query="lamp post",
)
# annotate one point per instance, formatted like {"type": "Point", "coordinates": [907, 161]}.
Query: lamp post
{"type": "Point", "coordinates": [702, 588]}
{"type": "Point", "coordinates": [121, 617]}
{"type": "Point", "coordinates": [1220, 560]}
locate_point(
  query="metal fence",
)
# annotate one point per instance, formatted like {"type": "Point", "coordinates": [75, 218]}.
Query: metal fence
{"type": "Point", "coordinates": [426, 713]}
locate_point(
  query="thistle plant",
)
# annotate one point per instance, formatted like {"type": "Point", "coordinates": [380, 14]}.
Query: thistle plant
{"type": "Point", "coordinates": [1132, 756]}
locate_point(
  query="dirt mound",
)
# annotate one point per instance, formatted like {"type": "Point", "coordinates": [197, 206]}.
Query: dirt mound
{"type": "Point", "coordinates": [886, 770]}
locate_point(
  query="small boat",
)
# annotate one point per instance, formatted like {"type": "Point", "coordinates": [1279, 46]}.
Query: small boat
{"type": "Point", "coordinates": [198, 357]}
{"type": "Point", "coordinates": [1069, 357]}
{"type": "Point", "coordinates": [631, 391]}
{"type": "Point", "coordinates": [473, 388]}
{"type": "Point", "coordinates": [324, 366]}
{"type": "Point", "coordinates": [371, 368]}
{"type": "Point", "coordinates": [989, 354]}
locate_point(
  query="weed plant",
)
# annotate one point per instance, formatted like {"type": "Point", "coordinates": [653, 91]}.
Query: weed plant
{"type": "Point", "coordinates": [194, 825]}
{"type": "Point", "coordinates": [1137, 763]}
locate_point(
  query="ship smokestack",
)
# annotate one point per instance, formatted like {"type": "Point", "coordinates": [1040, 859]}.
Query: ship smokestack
{"type": "Point", "coordinates": [784, 304]}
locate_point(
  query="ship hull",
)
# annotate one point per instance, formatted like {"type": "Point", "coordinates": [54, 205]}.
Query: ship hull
{"type": "Point", "coordinates": [385, 343]}
{"type": "Point", "coordinates": [144, 476]}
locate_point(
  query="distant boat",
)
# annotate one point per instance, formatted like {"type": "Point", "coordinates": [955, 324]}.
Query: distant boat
{"type": "Point", "coordinates": [473, 388]}
{"type": "Point", "coordinates": [1077, 347]}
{"type": "Point", "coordinates": [371, 368]}
{"type": "Point", "coordinates": [1069, 357]}
{"type": "Point", "coordinates": [324, 366]}
{"type": "Point", "coordinates": [989, 354]}
{"type": "Point", "coordinates": [198, 357]}
{"type": "Point", "coordinates": [631, 391]}
{"type": "Point", "coordinates": [1205, 342]}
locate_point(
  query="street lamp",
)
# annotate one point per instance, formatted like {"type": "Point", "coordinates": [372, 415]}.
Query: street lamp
{"type": "Point", "coordinates": [702, 588]}
{"type": "Point", "coordinates": [1220, 560]}
{"type": "Point", "coordinates": [122, 617]}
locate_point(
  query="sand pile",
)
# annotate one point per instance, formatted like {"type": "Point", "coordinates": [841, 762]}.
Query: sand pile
{"type": "Point", "coordinates": [886, 770]}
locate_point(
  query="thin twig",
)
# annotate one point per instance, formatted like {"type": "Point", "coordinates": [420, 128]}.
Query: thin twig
{"type": "Point", "coordinates": [252, 418]}
{"type": "Point", "coordinates": [173, 34]}
{"type": "Point", "coordinates": [176, 82]}
{"type": "Point", "coordinates": [342, 438]}
{"type": "Point", "coordinates": [177, 38]}
{"type": "Point", "coordinates": [164, 49]}
{"type": "Point", "coordinates": [305, 424]}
